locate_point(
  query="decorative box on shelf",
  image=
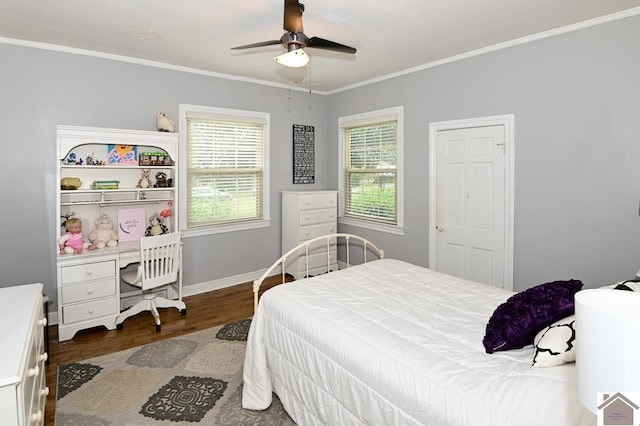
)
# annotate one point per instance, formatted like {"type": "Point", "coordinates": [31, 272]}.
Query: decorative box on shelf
{"type": "Point", "coordinates": [154, 159]}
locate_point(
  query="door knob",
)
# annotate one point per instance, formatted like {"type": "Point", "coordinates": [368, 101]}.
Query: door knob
{"type": "Point", "coordinates": [439, 228]}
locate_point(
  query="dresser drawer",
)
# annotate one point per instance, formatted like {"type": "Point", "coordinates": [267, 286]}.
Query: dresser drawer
{"type": "Point", "coordinates": [317, 201]}
{"type": "Point", "coordinates": [312, 217]}
{"type": "Point", "coordinates": [89, 310]}
{"type": "Point", "coordinates": [30, 382]}
{"type": "Point", "coordinates": [88, 291]}
{"type": "Point", "coordinates": [312, 231]}
{"type": "Point", "coordinates": [88, 271]}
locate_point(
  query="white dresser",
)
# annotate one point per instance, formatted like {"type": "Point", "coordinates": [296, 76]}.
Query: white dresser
{"type": "Point", "coordinates": [23, 388]}
{"type": "Point", "coordinates": [306, 215]}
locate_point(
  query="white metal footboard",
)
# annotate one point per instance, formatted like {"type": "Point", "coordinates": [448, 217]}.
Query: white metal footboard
{"type": "Point", "coordinates": [331, 239]}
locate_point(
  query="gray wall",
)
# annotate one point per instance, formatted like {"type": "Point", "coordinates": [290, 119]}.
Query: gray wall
{"type": "Point", "coordinates": [576, 101]}
{"type": "Point", "coordinates": [577, 175]}
{"type": "Point", "coordinates": [40, 89]}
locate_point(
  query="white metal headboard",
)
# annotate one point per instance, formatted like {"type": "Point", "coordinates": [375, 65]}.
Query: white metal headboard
{"type": "Point", "coordinates": [330, 239]}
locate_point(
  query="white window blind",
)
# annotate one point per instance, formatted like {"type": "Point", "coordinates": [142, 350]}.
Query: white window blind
{"type": "Point", "coordinates": [225, 169]}
{"type": "Point", "coordinates": [371, 184]}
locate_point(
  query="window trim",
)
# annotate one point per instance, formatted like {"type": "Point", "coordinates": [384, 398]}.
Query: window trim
{"type": "Point", "coordinates": [266, 191]}
{"type": "Point", "coordinates": [371, 117]}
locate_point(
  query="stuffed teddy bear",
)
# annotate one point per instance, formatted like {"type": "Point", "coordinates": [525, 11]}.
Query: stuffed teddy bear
{"type": "Point", "coordinates": [103, 235]}
{"type": "Point", "coordinates": [156, 227]}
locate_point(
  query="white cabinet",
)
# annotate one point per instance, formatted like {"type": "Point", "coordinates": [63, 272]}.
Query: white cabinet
{"type": "Point", "coordinates": [23, 388]}
{"type": "Point", "coordinates": [306, 215]}
{"type": "Point", "coordinates": [88, 293]}
{"type": "Point", "coordinates": [89, 283]}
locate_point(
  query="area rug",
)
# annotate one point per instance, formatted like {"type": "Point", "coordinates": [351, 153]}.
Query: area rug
{"type": "Point", "coordinates": [195, 378]}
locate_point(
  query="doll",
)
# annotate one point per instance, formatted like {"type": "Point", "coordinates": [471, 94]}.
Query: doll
{"type": "Point", "coordinates": [72, 242]}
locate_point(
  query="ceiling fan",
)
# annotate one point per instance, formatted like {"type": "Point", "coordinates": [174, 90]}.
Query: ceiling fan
{"type": "Point", "coordinates": [294, 40]}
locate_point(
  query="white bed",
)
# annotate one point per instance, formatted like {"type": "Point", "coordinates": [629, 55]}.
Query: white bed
{"type": "Point", "coordinates": [391, 343]}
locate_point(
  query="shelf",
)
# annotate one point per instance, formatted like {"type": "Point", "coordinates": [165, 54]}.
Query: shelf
{"type": "Point", "coordinates": [103, 197]}
{"type": "Point", "coordinates": [84, 167]}
{"type": "Point", "coordinates": [115, 202]}
{"type": "Point", "coordinates": [98, 191]}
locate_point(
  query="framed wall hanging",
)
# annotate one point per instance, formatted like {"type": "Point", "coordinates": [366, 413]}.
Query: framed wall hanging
{"type": "Point", "coordinates": [303, 154]}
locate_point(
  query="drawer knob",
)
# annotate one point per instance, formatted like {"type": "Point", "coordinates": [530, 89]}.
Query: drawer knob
{"type": "Point", "coordinates": [306, 232]}
{"type": "Point", "coordinates": [45, 391]}
{"type": "Point", "coordinates": [91, 310]}
{"type": "Point", "coordinates": [32, 372]}
{"type": "Point", "coordinates": [306, 218]}
{"type": "Point", "coordinates": [331, 229]}
{"type": "Point", "coordinates": [90, 291]}
{"type": "Point", "coordinates": [89, 272]}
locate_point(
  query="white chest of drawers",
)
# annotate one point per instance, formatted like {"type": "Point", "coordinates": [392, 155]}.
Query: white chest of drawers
{"type": "Point", "coordinates": [88, 293]}
{"type": "Point", "coordinates": [23, 389]}
{"type": "Point", "coordinates": [306, 215]}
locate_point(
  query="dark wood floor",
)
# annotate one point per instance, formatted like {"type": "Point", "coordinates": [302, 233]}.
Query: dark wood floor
{"type": "Point", "coordinates": [203, 311]}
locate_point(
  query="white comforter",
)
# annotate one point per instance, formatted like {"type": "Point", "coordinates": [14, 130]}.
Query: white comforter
{"type": "Point", "coordinates": [390, 343]}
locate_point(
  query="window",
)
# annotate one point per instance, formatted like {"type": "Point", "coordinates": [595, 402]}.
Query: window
{"type": "Point", "coordinates": [371, 175]}
{"type": "Point", "coordinates": [224, 177]}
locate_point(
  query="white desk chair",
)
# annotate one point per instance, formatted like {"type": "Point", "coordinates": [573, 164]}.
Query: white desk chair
{"type": "Point", "coordinates": [160, 264]}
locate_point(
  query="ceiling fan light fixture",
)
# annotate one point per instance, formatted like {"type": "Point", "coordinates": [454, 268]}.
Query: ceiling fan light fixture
{"type": "Point", "coordinates": [294, 58]}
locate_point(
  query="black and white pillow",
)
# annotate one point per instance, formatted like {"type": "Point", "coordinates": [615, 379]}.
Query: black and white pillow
{"type": "Point", "coordinates": [624, 285]}
{"type": "Point", "coordinates": [555, 344]}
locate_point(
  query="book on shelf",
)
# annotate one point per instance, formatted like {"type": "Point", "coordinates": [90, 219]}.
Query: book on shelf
{"type": "Point", "coordinates": [105, 184]}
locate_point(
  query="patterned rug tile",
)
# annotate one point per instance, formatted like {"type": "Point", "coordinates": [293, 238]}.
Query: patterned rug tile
{"type": "Point", "coordinates": [237, 330]}
{"type": "Point", "coordinates": [73, 376]}
{"type": "Point", "coordinates": [184, 399]}
{"type": "Point", "coordinates": [221, 357]}
{"type": "Point", "coordinates": [163, 354]}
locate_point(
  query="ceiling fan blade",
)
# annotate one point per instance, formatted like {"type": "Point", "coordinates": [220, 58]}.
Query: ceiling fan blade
{"type": "Point", "coordinates": [262, 43]}
{"type": "Point", "coordinates": [293, 16]}
{"type": "Point", "coordinates": [321, 43]}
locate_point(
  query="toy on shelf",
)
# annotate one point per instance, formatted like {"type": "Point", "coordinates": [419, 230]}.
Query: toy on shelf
{"type": "Point", "coordinates": [156, 227]}
{"type": "Point", "coordinates": [161, 180]}
{"type": "Point", "coordinates": [67, 183]}
{"type": "Point", "coordinates": [164, 123]}
{"type": "Point", "coordinates": [145, 181]}
{"type": "Point", "coordinates": [72, 159]}
{"type": "Point", "coordinates": [72, 241]}
{"type": "Point", "coordinates": [104, 235]}
{"type": "Point", "coordinates": [91, 160]}
{"type": "Point", "coordinates": [167, 212]}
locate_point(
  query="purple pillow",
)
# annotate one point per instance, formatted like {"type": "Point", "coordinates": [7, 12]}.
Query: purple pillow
{"type": "Point", "coordinates": [516, 322]}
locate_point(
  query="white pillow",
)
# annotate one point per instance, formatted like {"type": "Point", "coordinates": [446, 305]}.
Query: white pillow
{"type": "Point", "coordinates": [555, 344]}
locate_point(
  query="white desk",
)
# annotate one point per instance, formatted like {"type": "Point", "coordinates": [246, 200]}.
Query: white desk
{"type": "Point", "coordinates": [89, 287]}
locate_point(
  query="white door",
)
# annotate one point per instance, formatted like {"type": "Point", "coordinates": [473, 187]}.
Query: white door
{"type": "Point", "coordinates": [470, 203]}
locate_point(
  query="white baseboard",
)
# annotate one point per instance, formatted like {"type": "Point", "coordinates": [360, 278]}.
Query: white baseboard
{"type": "Point", "coordinates": [192, 290]}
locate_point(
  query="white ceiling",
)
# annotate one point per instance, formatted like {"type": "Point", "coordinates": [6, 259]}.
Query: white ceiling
{"type": "Point", "coordinates": [391, 36]}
